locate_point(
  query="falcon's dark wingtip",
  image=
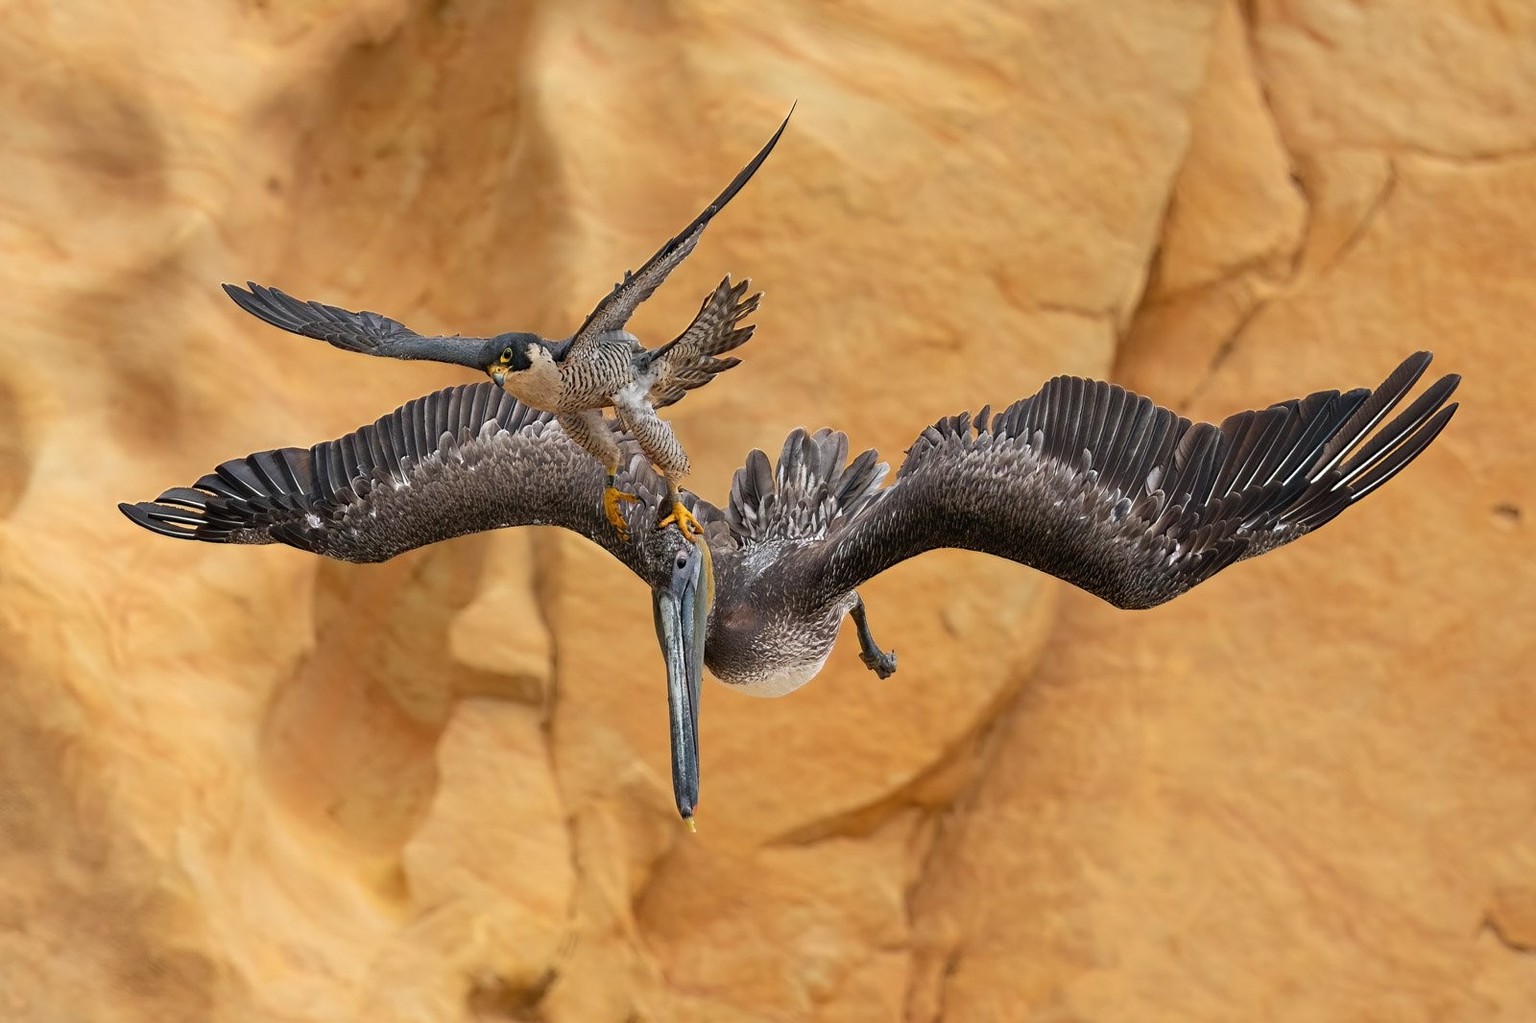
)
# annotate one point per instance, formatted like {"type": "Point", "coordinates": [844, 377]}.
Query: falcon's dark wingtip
{"type": "Point", "coordinates": [729, 192]}
{"type": "Point", "coordinates": [270, 305]}
{"type": "Point", "coordinates": [246, 300]}
{"type": "Point", "coordinates": [744, 176]}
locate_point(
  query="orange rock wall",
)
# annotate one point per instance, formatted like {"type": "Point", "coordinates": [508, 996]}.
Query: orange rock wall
{"type": "Point", "coordinates": [248, 785]}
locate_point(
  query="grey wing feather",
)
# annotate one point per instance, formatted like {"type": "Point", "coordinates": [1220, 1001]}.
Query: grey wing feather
{"type": "Point", "coordinates": [614, 311]}
{"type": "Point", "coordinates": [1102, 488]}
{"type": "Point", "coordinates": [692, 358]}
{"type": "Point", "coordinates": [365, 332]}
{"type": "Point", "coordinates": [460, 460]}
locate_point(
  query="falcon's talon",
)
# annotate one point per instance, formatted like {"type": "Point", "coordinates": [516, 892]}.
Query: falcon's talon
{"type": "Point", "coordinates": [612, 498]}
{"type": "Point", "coordinates": [681, 517]}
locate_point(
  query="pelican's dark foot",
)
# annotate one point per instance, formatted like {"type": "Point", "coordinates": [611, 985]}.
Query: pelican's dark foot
{"type": "Point", "coordinates": [612, 498]}
{"type": "Point", "coordinates": [881, 663]}
{"type": "Point", "coordinates": [684, 520]}
{"type": "Point", "coordinates": [876, 660]}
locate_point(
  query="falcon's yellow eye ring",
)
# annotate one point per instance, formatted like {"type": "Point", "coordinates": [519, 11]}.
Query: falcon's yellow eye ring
{"type": "Point", "coordinates": [506, 356]}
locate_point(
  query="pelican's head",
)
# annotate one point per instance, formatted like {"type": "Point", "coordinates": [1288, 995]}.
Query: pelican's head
{"type": "Point", "coordinates": [682, 592]}
{"type": "Point", "coordinates": [515, 354]}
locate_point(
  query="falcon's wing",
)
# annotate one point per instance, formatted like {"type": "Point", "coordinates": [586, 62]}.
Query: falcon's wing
{"type": "Point", "coordinates": [614, 311]}
{"type": "Point", "coordinates": [369, 333]}
{"type": "Point", "coordinates": [457, 461]}
{"type": "Point", "coordinates": [1102, 488]}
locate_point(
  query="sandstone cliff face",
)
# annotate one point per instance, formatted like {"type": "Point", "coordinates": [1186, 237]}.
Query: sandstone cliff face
{"type": "Point", "coordinates": [243, 784]}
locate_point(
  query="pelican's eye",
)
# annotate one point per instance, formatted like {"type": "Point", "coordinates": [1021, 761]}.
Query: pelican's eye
{"type": "Point", "coordinates": [682, 560]}
{"type": "Point", "coordinates": [506, 356]}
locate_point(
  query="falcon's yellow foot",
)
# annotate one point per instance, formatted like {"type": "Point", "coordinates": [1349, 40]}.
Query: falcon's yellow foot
{"type": "Point", "coordinates": [612, 497]}
{"type": "Point", "coordinates": [684, 520]}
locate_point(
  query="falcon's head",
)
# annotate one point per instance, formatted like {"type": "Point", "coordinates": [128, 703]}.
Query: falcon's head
{"type": "Point", "coordinates": [518, 355]}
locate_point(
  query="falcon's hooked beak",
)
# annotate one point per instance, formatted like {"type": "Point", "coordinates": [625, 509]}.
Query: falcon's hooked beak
{"type": "Point", "coordinates": [498, 373]}
{"type": "Point", "coordinates": [682, 620]}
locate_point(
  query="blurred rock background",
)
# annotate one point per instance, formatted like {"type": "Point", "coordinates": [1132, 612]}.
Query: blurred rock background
{"type": "Point", "coordinates": [248, 785]}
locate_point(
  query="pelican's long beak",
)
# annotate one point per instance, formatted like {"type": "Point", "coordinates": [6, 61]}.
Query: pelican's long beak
{"type": "Point", "coordinates": [682, 620]}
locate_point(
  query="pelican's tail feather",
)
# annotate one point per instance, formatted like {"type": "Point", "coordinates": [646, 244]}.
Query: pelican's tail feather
{"type": "Point", "coordinates": [809, 494]}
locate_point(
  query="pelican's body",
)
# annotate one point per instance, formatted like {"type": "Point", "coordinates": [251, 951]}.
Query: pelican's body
{"type": "Point", "coordinates": [600, 366]}
{"type": "Point", "coordinates": [1083, 480]}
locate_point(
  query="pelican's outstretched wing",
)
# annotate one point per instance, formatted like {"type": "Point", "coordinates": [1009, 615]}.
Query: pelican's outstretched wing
{"type": "Point", "coordinates": [457, 461]}
{"type": "Point", "coordinates": [614, 311]}
{"type": "Point", "coordinates": [369, 333]}
{"type": "Point", "coordinates": [1102, 488]}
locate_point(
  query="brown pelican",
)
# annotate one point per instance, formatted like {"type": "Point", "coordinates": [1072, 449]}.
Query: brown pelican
{"type": "Point", "coordinates": [1084, 480]}
{"type": "Point", "coordinates": [600, 366]}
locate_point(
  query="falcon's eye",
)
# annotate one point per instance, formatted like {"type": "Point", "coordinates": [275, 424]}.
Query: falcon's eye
{"type": "Point", "coordinates": [506, 356]}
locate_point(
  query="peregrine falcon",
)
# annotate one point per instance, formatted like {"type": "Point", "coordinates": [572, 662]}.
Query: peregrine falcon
{"type": "Point", "coordinates": [600, 366]}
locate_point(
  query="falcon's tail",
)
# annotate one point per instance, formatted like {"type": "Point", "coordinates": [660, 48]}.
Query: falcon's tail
{"type": "Point", "coordinates": [690, 360]}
